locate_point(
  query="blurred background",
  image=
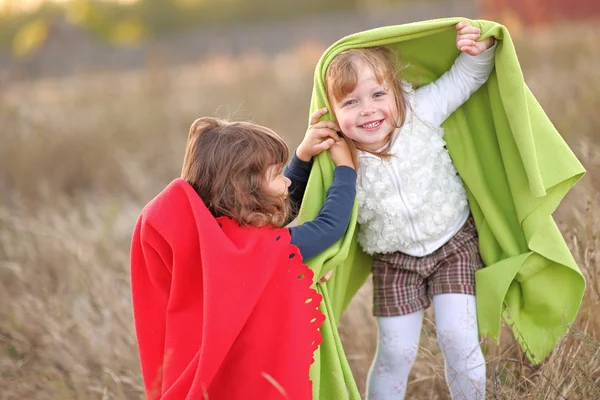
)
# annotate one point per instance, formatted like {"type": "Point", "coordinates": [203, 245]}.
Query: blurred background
{"type": "Point", "coordinates": [96, 98]}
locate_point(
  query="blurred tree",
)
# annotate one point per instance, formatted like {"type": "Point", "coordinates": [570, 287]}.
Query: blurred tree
{"type": "Point", "coordinates": [127, 32]}
{"type": "Point", "coordinates": [30, 37]}
{"type": "Point", "coordinates": [128, 23]}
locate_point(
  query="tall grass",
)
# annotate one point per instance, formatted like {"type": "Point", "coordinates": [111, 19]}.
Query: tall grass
{"type": "Point", "coordinates": [79, 157]}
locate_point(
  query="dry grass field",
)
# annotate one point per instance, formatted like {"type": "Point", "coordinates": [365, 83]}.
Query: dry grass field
{"type": "Point", "coordinates": [80, 157]}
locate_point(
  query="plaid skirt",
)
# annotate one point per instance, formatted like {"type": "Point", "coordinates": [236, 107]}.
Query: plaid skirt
{"type": "Point", "coordinates": [404, 284]}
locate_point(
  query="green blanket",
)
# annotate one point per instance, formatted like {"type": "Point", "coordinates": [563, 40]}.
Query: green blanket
{"type": "Point", "coordinates": [516, 169]}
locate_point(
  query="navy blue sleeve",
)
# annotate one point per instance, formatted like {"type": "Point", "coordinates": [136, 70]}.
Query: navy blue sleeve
{"type": "Point", "coordinates": [298, 172]}
{"type": "Point", "coordinates": [331, 222]}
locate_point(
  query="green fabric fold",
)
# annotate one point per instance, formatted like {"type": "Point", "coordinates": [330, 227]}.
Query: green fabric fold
{"type": "Point", "coordinates": [516, 168]}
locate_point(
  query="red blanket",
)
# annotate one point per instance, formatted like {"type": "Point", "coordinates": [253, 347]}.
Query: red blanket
{"type": "Point", "coordinates": [221, 311]}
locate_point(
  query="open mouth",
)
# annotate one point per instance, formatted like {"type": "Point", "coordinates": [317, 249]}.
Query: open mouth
{"type": "Point", "coordinates": [372, 125]}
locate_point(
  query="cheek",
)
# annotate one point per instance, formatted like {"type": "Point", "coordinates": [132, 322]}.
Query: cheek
{"type": "Point", "coordinates": [283, 184]}
{"type": "Point", "coordinates": [348, 127]}
{"type": "Point", "coordinates": [346, 121]}
{"type": "Point", "coordinates": [346, 124]}
{"type": "Point", "coordinates": [393, 107]}
{"type": "Point", "coordinates": [352, 135]}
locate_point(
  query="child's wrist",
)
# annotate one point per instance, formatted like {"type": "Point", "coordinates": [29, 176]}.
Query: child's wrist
{"type": "Point", "coordinates": [302, 155]}
{"type": "Point", "coordinates": [348, 164]}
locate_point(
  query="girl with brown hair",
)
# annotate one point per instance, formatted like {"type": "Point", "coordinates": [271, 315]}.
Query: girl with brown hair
{"type": "Point", "coordinates": [223, 306]}
{"type": "Point", "coordinates": [237, 169]}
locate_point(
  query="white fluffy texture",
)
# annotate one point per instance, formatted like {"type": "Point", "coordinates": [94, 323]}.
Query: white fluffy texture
{"type": "Point", "coordinates": [413, 199]}
{"type": "Point", "coordinates": [414, 202]}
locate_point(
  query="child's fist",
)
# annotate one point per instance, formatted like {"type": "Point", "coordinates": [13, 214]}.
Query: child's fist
{"type": "Point", "coordinates": [320, 136]}
{"type": "Point", "coordinates": [341, 154]}
{"type": "Point", "coordinates": [466, 39]}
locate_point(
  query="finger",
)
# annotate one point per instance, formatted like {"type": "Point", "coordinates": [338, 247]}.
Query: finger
{"type": "Point", "coordinates": [336, 138]}
{"type": "Point", "coordinates": [326, 277]}
{"type": "Point", "coordinates": [325, 144]}
{"type": "Point", "coordinates": [468, 30]}
{"type": "Point", "coordinates": [321, 134]}
{"type": "Point", "coordinates": [461, 25]}
{"type": "Point", "coordinates": [470, 36]}
{"type": "Point", "coordinates": [328, 133]}
{"type": "Point", "coordinates": [465, 43]}
{"type": "Point", "coordinates": [314, 117]}
{"type": "Point", "coordinates": [334, 134]}
{"type": "Point", "coordinates": [470, 50]}
{"type": "Point", "coordinates": [327, 124]}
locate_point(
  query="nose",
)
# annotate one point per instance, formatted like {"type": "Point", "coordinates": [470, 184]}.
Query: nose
{"type": "Point", "coordinates": [368, 109]}
{"type": "Point", "coordinates": [288, 182]}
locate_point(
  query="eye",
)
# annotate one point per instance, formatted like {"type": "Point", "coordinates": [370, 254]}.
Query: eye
{"type": "Point", "coordinates": [379, 94]}
{"type": "Point", "coordinates": [348, 102]}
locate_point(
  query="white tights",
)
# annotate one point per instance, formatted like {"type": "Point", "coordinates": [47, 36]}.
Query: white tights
{"type": "Point", "coordinates": [456, 323]}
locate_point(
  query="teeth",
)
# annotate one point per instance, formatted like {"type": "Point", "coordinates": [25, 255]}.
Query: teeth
{"type": "Point", "coordinates": [372, 125]}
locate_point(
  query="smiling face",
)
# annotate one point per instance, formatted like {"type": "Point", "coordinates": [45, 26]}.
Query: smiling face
{"type": "Point", "coordinates": [366, 96]}
{"type": "Point", "coordinates": [369, 112]}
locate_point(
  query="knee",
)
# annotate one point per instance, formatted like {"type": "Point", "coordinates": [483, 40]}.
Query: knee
{"type": "Point", "coordinates": [462, 351]}
{"type": "Point", "coordinates": [396, 354]}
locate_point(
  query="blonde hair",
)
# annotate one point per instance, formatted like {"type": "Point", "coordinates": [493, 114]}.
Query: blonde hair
{"type": "Point", "coordinates": [226, 163]}
{"type": "Point", "coordinates": [341, 79]}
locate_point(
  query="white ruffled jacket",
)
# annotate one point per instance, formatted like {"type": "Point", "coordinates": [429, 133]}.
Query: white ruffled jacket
{"type": "Point", "coordinates": [414, 202]}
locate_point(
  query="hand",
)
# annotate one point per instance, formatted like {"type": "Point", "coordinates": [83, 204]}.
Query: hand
{"type": "Point", "coordinates": [466, 39]}
{"type": "Point", "coordinates": [341, 154]}
{"type": "Point", "coordinates": [321, 135]}
{"type": "Point", "coordinates": [326, 277]}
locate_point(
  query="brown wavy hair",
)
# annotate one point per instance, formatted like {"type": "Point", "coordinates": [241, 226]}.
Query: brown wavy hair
{"type": "Point", "coordinates": [341, 78]}
{"type": "Point", "coordinates": [226, 163]}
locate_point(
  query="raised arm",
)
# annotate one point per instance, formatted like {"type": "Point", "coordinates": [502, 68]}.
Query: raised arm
{"type": "Point", "coordinates": [436, 101]}
{"type": "Point", "coordinates": [320, 136]}
{"type": "Point", "coordinates": [331, 222]}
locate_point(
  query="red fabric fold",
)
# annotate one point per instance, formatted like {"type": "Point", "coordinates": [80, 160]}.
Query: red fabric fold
{"type": "Point", "coordinates": [221, 311]}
